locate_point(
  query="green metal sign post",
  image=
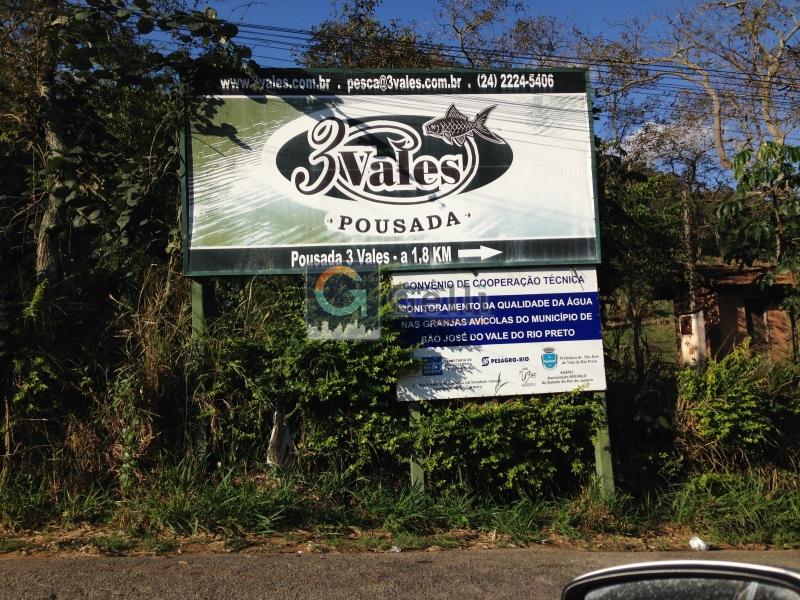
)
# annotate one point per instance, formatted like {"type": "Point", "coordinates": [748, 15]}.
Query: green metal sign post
{"type": "Point", "coordinates": [417, 472]}
{"type": "Point", "coordinates": [198, 312]}
{"type": "Point", "coordinates": [604, 467]}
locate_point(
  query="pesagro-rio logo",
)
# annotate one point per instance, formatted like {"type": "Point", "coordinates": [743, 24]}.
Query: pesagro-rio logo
{"type": "Point", "coordinates": [397, 159]}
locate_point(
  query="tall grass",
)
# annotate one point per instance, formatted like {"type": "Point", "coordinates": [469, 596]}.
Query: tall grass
{"type": "Point", "coordinates": [28, 503]}
{"type": "Point", "coordinates": [761, 506]}
{"type": "Point", "coordinates": [183, 502]}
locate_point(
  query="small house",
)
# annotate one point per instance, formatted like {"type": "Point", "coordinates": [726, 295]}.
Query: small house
{"type": "Point", "coordinates": [735, 305]}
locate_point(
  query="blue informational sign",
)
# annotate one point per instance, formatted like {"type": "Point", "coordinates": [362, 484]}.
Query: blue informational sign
{"type": "Point", "coordinates": [496, 333]}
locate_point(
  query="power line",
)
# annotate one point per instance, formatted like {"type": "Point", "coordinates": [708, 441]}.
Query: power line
{"type": "Point", "coordinates": [660, 107]}
{"type": "Point", "coordinates": [563, 59]}
{"type": "Point", "coordinates": [453, 51]}
{"type": "Point", "coordinates": [305, 42]}
{"type": "Point", "coordinates": [729, 91]}
{"type": "Point", "coordinates": [733, 87]}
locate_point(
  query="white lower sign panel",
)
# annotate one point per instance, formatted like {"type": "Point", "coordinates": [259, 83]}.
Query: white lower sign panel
{"type": "Point", "coordinates": [501, 333]}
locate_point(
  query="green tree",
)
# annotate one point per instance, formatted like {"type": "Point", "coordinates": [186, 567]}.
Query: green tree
{"type": "Point", "coordinates": [761, 222]}
{"type": "Point", "coordinates": [92, 102]}
{"type": "Point", "coordinates": [642, 241]}
{"type": "Point", "coordinates": [358, 39]}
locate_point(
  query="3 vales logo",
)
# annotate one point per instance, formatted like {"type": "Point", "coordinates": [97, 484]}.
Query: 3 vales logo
{"type": "Point", "coordinates": [396, 160]}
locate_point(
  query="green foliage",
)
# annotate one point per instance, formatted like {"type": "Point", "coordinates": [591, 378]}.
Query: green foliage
{"type": "Point", "coordinates": [641, 415]}
{"type": "Point", "coordinates": [758, 506]}
{"type": "Point", "coordinates": [104, 393]}
{"type": "Point", "coordinates": [33, 401]}
{"type": "Point", "coordinates": [34, 308]}
{"type": "Point", "coordinates": [107, 144]}
{"type": "Point", "coordinates": [342, 408]}
{"type": "Point", "coordinates": [339, 394]}
{"type": "Point", "coordinates": [412, 510]}
{"type": "Point", "coordinates": [522, 519]}
{"type": "Point", "coordinates": [92, 108]}
{"type": "Point", "coordinates": [519, 446]}
{"type": "Point", "coordinates": [641, 224]}
{"type": "Point", "coordinates": [184, 501]}
{"type": "Point", "coordinates": [357, 39]}
{"type": "Point", "coordinates": [32, 378]}
{"type": "Point", "coordinates": [762, 220]}
{"type": "Point", "coordinates": [739, 408]}
{"type": "Point", "coordinates": [28, 502]}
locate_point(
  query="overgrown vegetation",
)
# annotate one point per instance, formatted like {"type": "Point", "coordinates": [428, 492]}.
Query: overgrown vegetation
{"type": "Point", "coordinates": [740, 411]}
{"type": "Point", "coordinates": [114, 415]}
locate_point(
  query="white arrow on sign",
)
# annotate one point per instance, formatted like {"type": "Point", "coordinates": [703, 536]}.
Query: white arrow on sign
{"type": "Point", "coordinates": [483, 252]}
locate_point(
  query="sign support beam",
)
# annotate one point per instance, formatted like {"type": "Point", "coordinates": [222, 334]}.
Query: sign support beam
{"type": "Point", "coordinates": [604, 467]}
{"type": "Point", "coordinates": [198, 312]}
{"type": "Point", "coordinates": [416, 471]}
{"type": "Point", "coordinates": [201, 302]}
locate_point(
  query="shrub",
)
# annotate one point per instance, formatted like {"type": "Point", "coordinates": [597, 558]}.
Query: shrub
{"type": "Point", "coordinates": [641, 416]}
{"type": "Point", "coordinates": [521, 445]}
{"type": "Point", "coordinates": [339, 395]}
{"type": "Point", "coordinates": [738, 410]}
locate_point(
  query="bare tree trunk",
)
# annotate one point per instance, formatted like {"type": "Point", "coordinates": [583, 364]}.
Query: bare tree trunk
{"type": "Point", "coordinates": [48, 263]}
{"type": "Point", "coordinates": [716, 122]}
{"type": "Point", "coordinates": [7, 441]}
{"type": "Point", "coordinates": [691, 266]}
{"type": "Point", "coordinates": [638, 348]}
{"type": "Point", "coordinates": [635, 319]}
{"type": "Point", "coordinates": [48, 258]}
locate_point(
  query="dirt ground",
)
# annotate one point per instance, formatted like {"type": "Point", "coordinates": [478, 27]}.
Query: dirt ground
{"type": "Point", "coordinates": [94, 541]}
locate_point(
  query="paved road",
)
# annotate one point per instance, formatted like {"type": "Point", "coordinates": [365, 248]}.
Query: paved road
{"type": "Point", "coordinates": [494, 574]}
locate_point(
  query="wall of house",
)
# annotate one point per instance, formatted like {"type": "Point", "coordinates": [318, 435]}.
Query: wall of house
{"type": "Point", "coordinates": [780, 331]}
{"type": "Point", "coordinates": [730, 329]}
{"type": "Point", "coordinates": [736, 311]}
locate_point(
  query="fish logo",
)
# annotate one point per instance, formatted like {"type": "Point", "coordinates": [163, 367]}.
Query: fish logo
{"type": "Point", "coordinates": [455, 126]}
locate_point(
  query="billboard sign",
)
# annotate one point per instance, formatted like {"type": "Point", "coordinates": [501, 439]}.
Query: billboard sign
{"type": "Point", "coordinates": [299, 169]}
{"type": "Point", "coordinates": [498, 333]}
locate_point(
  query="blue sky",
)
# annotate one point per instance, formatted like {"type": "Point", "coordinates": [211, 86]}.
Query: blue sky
{"type": "Point", "coordinates": [593, 16]}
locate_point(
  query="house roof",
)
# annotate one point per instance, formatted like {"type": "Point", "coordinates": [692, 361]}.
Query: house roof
{"type": "Point", "coordinates": [738, 275]}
